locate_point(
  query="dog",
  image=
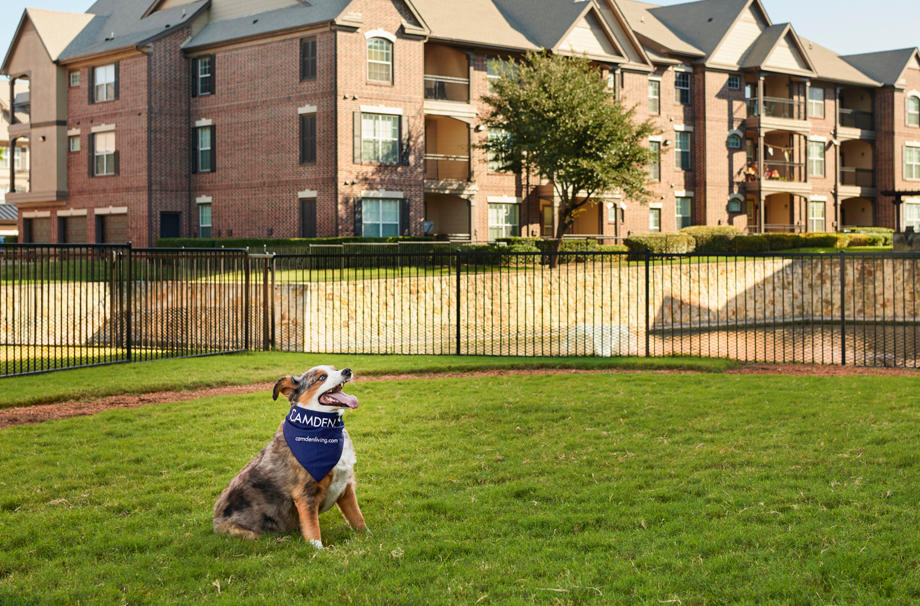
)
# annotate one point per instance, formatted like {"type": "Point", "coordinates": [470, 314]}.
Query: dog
{"type": "Point", "coordinates": [278, 491]}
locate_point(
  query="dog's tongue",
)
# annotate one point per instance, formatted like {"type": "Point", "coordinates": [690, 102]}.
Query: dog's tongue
{"type": "Point", "coordinates": [343, 398]}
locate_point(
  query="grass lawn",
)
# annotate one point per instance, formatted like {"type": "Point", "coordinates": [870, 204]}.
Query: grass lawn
{"type": "Point", "coordinates": [581, 489]}
{"type": "Point", "coordinates": [240, 369]}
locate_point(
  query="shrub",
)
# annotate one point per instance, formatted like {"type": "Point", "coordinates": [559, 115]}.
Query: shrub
{"type": "Point", "coordinates": [668, 244]}
{"type": "Point", "coordinates": [824, 240]}
{"type": "Point", "coordinates": [858, 239]}
{"type": "Point", "coordinates": [716, 239]}
{"type": "Point", "coordinates": [613, 248]}
{"type": "Point", "coordinates": [750, 244]}
{"type": "Point", "coordinates": [886, 234]}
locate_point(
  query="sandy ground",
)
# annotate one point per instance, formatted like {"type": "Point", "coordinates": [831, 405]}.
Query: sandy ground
{"type": "Point", "coordinates": [27, 415]}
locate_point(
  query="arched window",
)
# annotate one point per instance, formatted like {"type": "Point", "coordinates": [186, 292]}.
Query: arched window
{"type": "Point", "coordinates": [734, 141]}
{"type": "Point", "coordinates": [735, 204]}
{"type": "Point", "coordinates": [913, 110]}
{"type": "Point", "coordinates": [380, 60]}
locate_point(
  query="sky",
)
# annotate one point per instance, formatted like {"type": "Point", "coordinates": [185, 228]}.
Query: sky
{"type": "Point", "coordinates": [845, 26]}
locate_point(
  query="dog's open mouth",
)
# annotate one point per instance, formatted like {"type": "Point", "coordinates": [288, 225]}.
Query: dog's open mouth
{"type": "Point", "coordinates": [337, 397]}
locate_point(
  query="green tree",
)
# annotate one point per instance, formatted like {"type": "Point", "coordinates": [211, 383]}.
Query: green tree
{"type": "Point", "coordinates": [557, 119]}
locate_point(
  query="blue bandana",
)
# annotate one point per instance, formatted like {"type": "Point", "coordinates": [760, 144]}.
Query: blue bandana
{"type": "Point", "coordinates": [315, 438]}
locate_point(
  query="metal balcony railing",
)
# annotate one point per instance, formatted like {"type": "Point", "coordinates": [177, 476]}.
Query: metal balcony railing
{"type": "Point", "coordinates": [860, 177]}
{"type": "Point", "coordinates": [447, 88]}
{"type": "Point", "coordinates": [784, 171]}
{"type": "Point", "coordinates": [854, 118]}
{"type": "Point", "coordinates": [441, 167]}
{"type": "Point", "coordinates": [776, 107]}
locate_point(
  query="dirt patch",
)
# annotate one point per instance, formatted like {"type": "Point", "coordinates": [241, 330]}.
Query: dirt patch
{"type": "Point", "coordinates": [27, 415]}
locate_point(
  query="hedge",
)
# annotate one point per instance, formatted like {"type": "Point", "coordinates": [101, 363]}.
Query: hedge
{"type": "Point", "coordinates": [670, 244]}
{"type": "Point", "coordinates": [278, 243]}
{"type": "Point", "coordinates": [712, 239]}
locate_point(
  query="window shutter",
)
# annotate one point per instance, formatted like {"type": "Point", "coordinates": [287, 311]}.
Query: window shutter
{"type": "Point", "coordinates": [116, 161]}
{"type": "Point", "coordinates": [211, 87]}
{"type": "Point", "coordinates": [404, 140]}
{"type": "Point", "coordinates": [357, 134]}
{"type": "Point", "coordinates": [404, 217]}
{"type": "Point", "coordinates": [193, 73]}
{"type": "Point", "coordinates": [308, 139]}
{"type": "Point", "coordinates": [359, 218]}
{"type": "Point", "coordinates": [303, 138]}
{"type": "Point", "coordinates": [117, 78]}
{"type": "Point", "coordinates": [91, 153]}
{"type": "Point", "coordinates": [213, 152]}
{"type": "Point", "coordinates": [194, 148]}
{"type": "Point", "coordinates": [91, 80]}
{"type": "Point", "coordinates": [307, 59]}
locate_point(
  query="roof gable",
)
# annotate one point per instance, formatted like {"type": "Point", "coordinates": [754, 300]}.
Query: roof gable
{"type": "Point", "coordinates": [590, 36]}
{"type": "Point", "coordinates": [55, 30]}
{"type": "Point", "coordinates": [887, 67]}
{"type": "Point", "coordinates": [779, 50]}
{"type": "Point", "coordinates": [704, 24]}
{"type": "Point", "coordinates": [743, 33]}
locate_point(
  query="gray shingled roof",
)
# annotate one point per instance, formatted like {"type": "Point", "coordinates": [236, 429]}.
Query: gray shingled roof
{"type": "Point", "coordinates": [703, 24]}
{"type": "Point", "coordinates": [125, 19]}
{"type": "Point", "coordinates": [830, 65]}
{"type": "Point", "coordinates": [885, 66]}
{"type": "Point", "coordinates": [761, 49]}
{"type": "Point", "coordinates": [476, 22]}
{"type": "Point", "coordinates": [290, 17]}
{"type": "Point", "coordinates": [544, 21]}
{"type": "Point", "coordinates": [8, 212]}
{"type": "Point", "coordinates": [653, 31]}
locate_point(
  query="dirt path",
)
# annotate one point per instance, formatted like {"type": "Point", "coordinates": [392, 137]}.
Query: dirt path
{"type": "Point", "coordinates": [27, 415]}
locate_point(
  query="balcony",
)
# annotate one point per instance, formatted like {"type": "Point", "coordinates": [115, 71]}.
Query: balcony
{"type": "Point", "coordinates": [857, 177]}
{"type": "Point", "coordinates": [857, 117]}
{"type": "Point", "coordinates": [447, 74]}
{"type": "Point", "coordinates": [443, 167]}
{"type": "Point", "coordinates": [778, 107]}
{"type": "Point", "coordinates": [447, 88]}
{"type": "Point", "coordinates": [854, 118]}
{"type": "Point", "coordinates": [793, 172]}
{"type": "Point", "coordinates": [448, 169]}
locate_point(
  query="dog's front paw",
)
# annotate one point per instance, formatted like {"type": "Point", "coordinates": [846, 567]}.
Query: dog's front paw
{"type": "Point", "coordinates": [316, 543]}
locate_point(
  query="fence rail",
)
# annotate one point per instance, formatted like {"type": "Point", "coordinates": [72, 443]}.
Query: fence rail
{"type": "Point", "coordinates": [69, 306]}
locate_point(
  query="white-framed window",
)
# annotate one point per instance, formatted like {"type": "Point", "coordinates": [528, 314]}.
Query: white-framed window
{"type": "Point", "coordinates": [204, 149]}
{"type": "Point", "coordinates": [21, 158]}
{"type": "Point", "coordinates": [496, 67]}
{"type": "Point", "coordinates": [495, 134]}
{"type": "Point", "coordinates": [204, 220]}
{"type": "Point", "coordinates": [379, 217]}
{"type": "Point", "coordinates": [913, 110]}
{"type": "Point", "coordinates": [912, 215]}
{"type": "Point", "coordinates": [682, 144]}
{"type": "Point", "coordinates": [682, 88]}
{"type": "Point", "coordinates": [380, 60]}
{"type": "Point", "coordinates": [816, 159]}
{"type": "Point", "coordinates": [735, 204]}
{"type": "Point", "coordinates": [734, 141]}
{"type": "Point", "coordinates": [204, 75]}
{"type": "Point", "coordinates": [816, 215]}
{"type": "Point", "coordinates": [379, 139]}
{"type": "Point", "coordinates": [103, 154]}
{"type": "Point", "coordinates": [816, 102]}
{"type": "Point", "coordinates": [682, 207]}
{"type": "Point", "coordinates": [612, 83]}
{"type": "Point", "coordinates": [74, 78]}
{"type": "Point", "coordinates": [734, 82]}
{"type": "Point", "coordinates": [504, 221]}
{"type": "Point", "coordinates": [654, 97]}
{"type": "Point", "coordinates": [654, 220]}
{"type": "Point", "coordinates": [104, 82]}
{"type": "Point", "coordinates": [911, 162]}
{"type": "Point", "coordinates": [73, 143]}
{"type": "Point", "coordinates": [654, 160]}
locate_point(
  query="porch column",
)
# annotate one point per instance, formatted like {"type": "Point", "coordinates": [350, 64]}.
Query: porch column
{"type": "Point", "coordinates": [760, 167]}
{"type": "Point", "coordinates": [12, 160]}
{"type": "Point", "coordinates": [760, 106]}
{"type": "Point", "coordinates": [807, 96]}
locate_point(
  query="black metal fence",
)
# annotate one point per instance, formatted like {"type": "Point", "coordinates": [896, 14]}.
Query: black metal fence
{"type": "Point", "coordinates": [66, 306]}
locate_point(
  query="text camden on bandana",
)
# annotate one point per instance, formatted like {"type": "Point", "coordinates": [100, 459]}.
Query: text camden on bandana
{"type": "Point", "coordinates": [315, 438]}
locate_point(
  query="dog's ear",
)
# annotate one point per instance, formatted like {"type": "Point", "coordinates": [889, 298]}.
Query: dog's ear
{"type": "Point", "coordinates": [285, 386]}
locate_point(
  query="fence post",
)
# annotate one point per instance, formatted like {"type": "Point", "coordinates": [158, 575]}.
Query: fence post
{"type": "Point", "coordinates": [266, 345]}
{"type": "Point", "coordinates": [247, 310]}
{"type": "Point", "coordinates": [843, 315]}
{"type": "Point", "coordinates": [648, 307]}
{"type": "Point", "coordinates": [128, 305]}
{"type": "Point", "coordinates": [458, 253]}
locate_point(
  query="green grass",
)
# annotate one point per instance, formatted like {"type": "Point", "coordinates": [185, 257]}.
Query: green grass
{"type": "Point", "coordinates": [240, 369]}
{"type": "Point", "coordinates": [852, 249]}
{"type": "Point", "coordinates": [601, 489]}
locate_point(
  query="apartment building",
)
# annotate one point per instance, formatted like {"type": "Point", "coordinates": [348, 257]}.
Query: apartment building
{"type": "Point", "coordinates": [286, 118]}
{"type": "Point", "coordinates": [16, 159]}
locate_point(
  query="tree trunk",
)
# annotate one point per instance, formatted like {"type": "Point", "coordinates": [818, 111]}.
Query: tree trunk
{"type": "Point", "coordinates": [562, 226]}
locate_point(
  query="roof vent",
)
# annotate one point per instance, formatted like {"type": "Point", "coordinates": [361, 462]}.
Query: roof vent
{"type": "Point", "coordinates": [709, 20]}
{"type": "Point", "coordinates": [111, 36]}
{"type": "Point", "coordinates": [254, 21]}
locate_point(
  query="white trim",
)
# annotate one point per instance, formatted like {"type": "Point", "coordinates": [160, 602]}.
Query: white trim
{"type": "Point", "coordinates": [912, 93]}
{"type": "Point", "coordinates": [306, 109]}
{"type": "Point", "coordinates": [622, 206]}
{"type": "Point", "coordinates": [307, 193]}
{"type": "Point", "coordinates": [503, 200]}
{"type": "Point", "coordinates": [911, 200]}
{"type": "Point", "coordinates": [203, 200]}
{"type": "Point", "coordinates": [735, 131]}
{"type": "Point", "coordinates": [657, 78]}
{"type": "Point", "coordinates": [817, 198]}
{"type": "Point", "coordinates": [655, 139]}
{"type": "Point", "coordinates": [112, 210]}
{"type": "Point", "coordinates": [681, 193]}
{"type": "Point", "coordinates": [380, 33]}
{"type": "Point", "coordinates": [817, 139]}
{"type": "Point", "coordinates": [102, 128]}
{"type": "Point", "coordinates": [73, 132]}
{"type": "Point", "coordinates": [73, 212]}
{"type": "Point", "coordinates": [382, 193]}
{"type": "Point", "coordinates": [736, 196]}
{"type": "Point", "coordinates": [381, 109]}
{"type": "Point", "coordinates": [656, 205]}
{"type": "Point", "coordinates": [912, 143]}
{"type": "Point", "coordinates": [203, 122]}
{"type": "Point", "coordinates": [683, 128]}
{"type": "Point", "coordinates": [36, 214]}
{"type": "Point", "coordinates": [683, 68]}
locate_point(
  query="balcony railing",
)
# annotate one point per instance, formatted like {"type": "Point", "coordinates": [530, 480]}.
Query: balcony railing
{"type": "Point", "coordinates": [441, 167]}
{"type": "Point", "coordinates": [447, 88]}
{"type": "Point", "coordinates": [784, 171]}
{"type": "Point", "coordinates": [859, 177]}
{"type": "Point", "coordinates": [776, 107]}
{"type": "Point", "coordinates": [854, 118]}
